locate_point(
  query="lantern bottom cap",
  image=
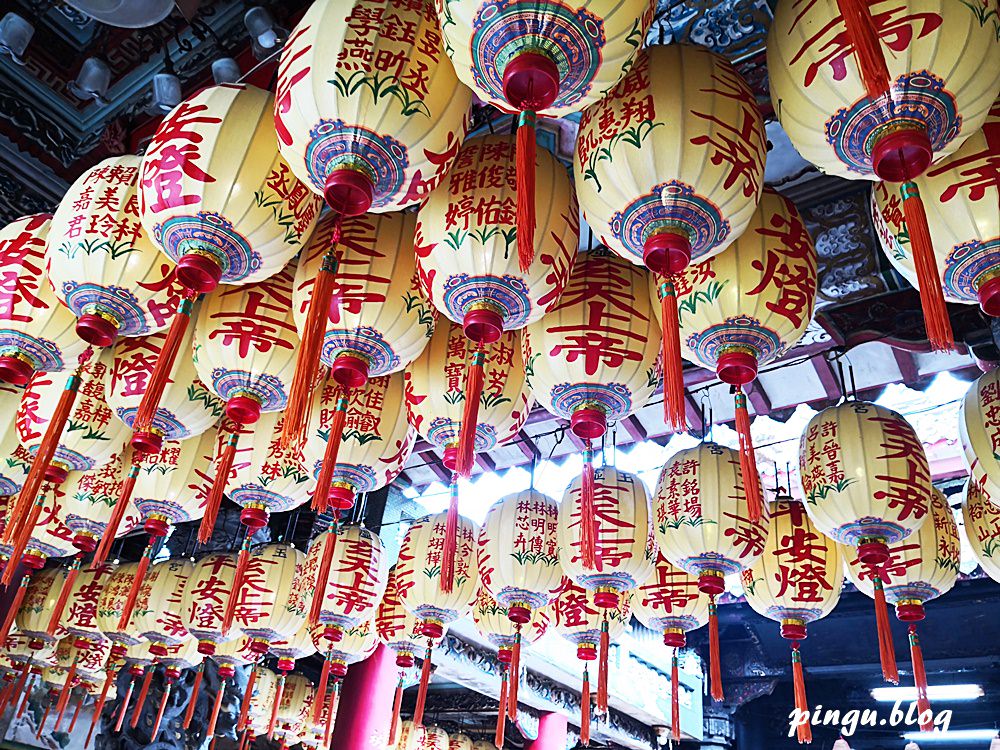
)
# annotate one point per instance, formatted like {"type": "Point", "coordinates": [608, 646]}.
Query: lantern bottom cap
{"type": "Point", "coordinates": [505, 655]}
{"type": "Point", "coordinates": [588, 424]}
{"type": "Point", "coordinates": [405, 661]}
{"type": "Point", "coordinates": [674, 638]}
{"type": "Point", "coordinates": [333, 634]}
{"type": "Point", "coordinates": [519, 614]}
{"type": "Point", "coordinates": [666, 253]}
{"type": "Point", "coordinates": [56, 474]}
{"type": "Point", "coordinates": [873, 552]}
{"type": "Point", "coordinates": [606, 599]}
{"type": "Point", "coordinates": [15, 371]}
{"type": "Point", "coordinates": [243, 410]}
{"type": "Point", "coordinates": [736, 368]}
{"type": "Point", "coordinates": [85, 542]}
{"type": "Point", "coordinates": [433, 629]}
{"type": "Point", "coordinates": [206, 647]}
{"type": "Point", "coordinates": [254, 517]}
{"type": "Point", "coordinates": [341, 497]}
{"type": "Point", "coordinates": [989, 297]}
{"type": "Point", "coordinates": [349, 371]}
{"type": "Point", "coordinates": [147, 441]}
{"type": "Point", "coordinates": [348, 192]}
{"type": "Point", "coordinates": [199, 273]}
{"type": "Point", "coordinates": [910, 612]}
{"type": "Point", "coordinates": [793, 630]}
{"type": "Point", "coordinates": [156, 526]}
{"type": "Point", "coordinates": [450, 458]}
{"type": "Point", "coordinates": [483, 325]}
{"type": "Point", "coordinates": [711, 584]}
{"type": "Point", "coordinates": [96, 330]}
{"type": "Point", "coordinates": [531, 81]}
{"type": "Point", "coordinates": [902, 154]}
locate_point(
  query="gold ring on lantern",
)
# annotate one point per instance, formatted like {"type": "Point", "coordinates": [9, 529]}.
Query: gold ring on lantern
{"type": "Point", "coordinates": [895, 126]}
{"type": "Point", "coordinates": [98, 311]}
{"type": "Point", "coordinates": [486, 305]}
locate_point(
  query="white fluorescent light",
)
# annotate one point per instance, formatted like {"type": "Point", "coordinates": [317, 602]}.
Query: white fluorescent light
{"type": "Point", "coordinates": [934, 693]}
{"type": "Point", "coordinates": [952, 735]}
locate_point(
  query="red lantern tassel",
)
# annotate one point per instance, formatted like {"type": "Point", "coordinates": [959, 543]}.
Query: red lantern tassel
{"type": "Point", "coordinates": [926, 718]}
{"type": "Point", "coordinates": [64, 694]}
{"type": "Point", "coordinates": [321, 497]}
{"type": "Point", "coordinates": [242, 562]}
{"type": "Point", "coordinates": [280, 691]}
{"type": "Point", "coordinates": [397, 707]}
{"type": "Point", "coordinates": [887, 653]}
{"type": "Point", "coordinates": [141, 701]}
{"type": "Point", "coordinates": [14, 695]}
{"type": "Point", "coordinates": [524, 162]}
{"type": "Point", "coordinates": [474, 379]}
{"type": "Point", "coordinates": [502, 710]}
{"type": "Point", "coordinates": [588, 518]}
{"type": "Point", "coordinates": [45, 718]}
{"type": "Point", "coordinates": [748, 461]}
{"type": "Point", "coordinates": [121, 505]}
{"type": "Point", "coordinates": [323, 575]}
{"type": "Point", "coordinates": [26, 507]}
{"type": "Point", "coordinates": [193, 700]}
{"type": "Point", "coordinates": [222, 469]}
{"type": "Point", "coordinates": [715, 661]}
{"type": "Point", "coordinates": [67, 586]}
{"type": "Point", "coordinates": [121, 714]}
{"type": "Point", "coordinates": [27, 696]}
{"type": "Point", "coordinates": [515, 675]}
{"type": "Point", "coordinates": [585, 709]}
{"type": "Point", "coordinates": [247, 695]}
{"type": "Point", "coordinates": [215, 709]}
{"type": "Point", "coordinates": [803, 730]}
{"type": "Point", "coordinates": [150, 403]}
{"type": "Point", "coordinates": [450, 549]}
{"type": "Point", "coordinates": [296, 420]}
{"type": "Point", "coordinates": [22, 589]}
{"type": "Point", "coordinates": [324, 678]}
{"type": "Point", "coordinates": [602, 668]}
{"type": "Point", "coordinates": [133, 593]}
{"type": "Point", "coordinates": [425, 678]}
{"type": "Point", "coordinates": [673, 372]}
{"type": "Point", "coordinates": [867, 50]}
{"type": "Point", "coordinates": [159, 712]}
{"type": "Point", "coordinates": [76, 715]}
{"type": "Point", "coordinates": [936, 320]}
{"type": "Point", "coordinates": [675, 698]}
{"type": "Point", "coordinates": [99, 706]}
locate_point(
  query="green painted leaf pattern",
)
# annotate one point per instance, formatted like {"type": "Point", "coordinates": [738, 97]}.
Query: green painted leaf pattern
{"type": "Point", "coordinates": [983, 14]}
{"type": "Point", "coordinates": [820, 491]}
{"type": "Point", "coordinates": [285, 219]}
{"type": "Point", "coordinates": [691, 302]}
{"type": "Point", "coordinates": [363, 438]}
{"type": "Point", "coordinates": [114, 249]}
{"type": "Point", "coordinates": [425, 315]}
{"type": "Point", "coordinates": [634, 136]}
{"type": "Point", "coordinates": [692, 522]}
{"type": "Point", "coordinates": [380, 87]}
{"type": "Point", "coordinates": [89, 433]}
{"type": "Point", "coordinates": [534, 558]}
{"type": "Point", "coordinates": [198, 394]}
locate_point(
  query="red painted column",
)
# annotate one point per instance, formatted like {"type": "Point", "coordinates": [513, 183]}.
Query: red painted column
{"type": "Point", "coordinates": [551, 733]}
{"type": "Point", "coordinates": [366, 703]}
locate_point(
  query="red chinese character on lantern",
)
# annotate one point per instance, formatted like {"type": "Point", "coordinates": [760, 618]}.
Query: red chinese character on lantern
{"type": "Point", "coordinates": [788, 268]}
{"type": "Point", "coordinates": [173, 155]}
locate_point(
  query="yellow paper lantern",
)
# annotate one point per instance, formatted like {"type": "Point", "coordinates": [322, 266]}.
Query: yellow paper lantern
{"type": "Point", "coordinates": [345, 573]}
{"type": "Point", "coordinates": [796, 581]}
{"type": "Point", "coordinates": [435, 392]}
{"type": "Point", "coordinates": [92, 436]}
{"type": "Point", "coordinates": [670, 603]}
{"type": "Point", "coordinates": [158, 614]}
{"type": "Point", "coordinates": [981, 513]}
{"type": "Point", "coordinates": [111, 606]}
{"type": "Point", "coordinates": [703, 525]}
{"type": "Point", "coordinates": [397, 627]}
{"type": "Point", "coordinates": [264, 609]}
{"type": "Point", "coordinates": [459, 742]}
{"type": "Point", "coordinates": [216, 195]}
{"type": "Point", "coordinates": [87, 503]}
{"type": "Point", "coordinates": [37, 334]}
{"type": "Point", "coordinates": [267, 478]}
{"type": "Point", "coordinates": [379, 319]}
{"type": "Point", "coordinates": [80, 616]}
{"type": "Point", "coordinates": [960, 194]}
{"type": "Point", "coordinates": [979, 426]}
{"type": "Point", "coordinates": [102, 264]}
{"type": "Point", "coordinates": [205, 598]}
{"type": "Point", "coordinates": [186, 407]}
{"type": "Point", "coordinates": [429, 738]}
{"type": "Point", "coordinates": [694, 110]}
{"type": "Point", "coordinates": [298, 646]}
{"type": "Point", "coordinates": [619, 526]}
{"type": "Point", "coordinates": [592, 358]}
{"type": "Point", "coordinates": [865, 476]}
{"type": "Point", "coordinates": [466, 240]}
{"type": "Point", "coordinates": [369, 112]}
{"type": "Point", "coordinates": [519, 552]}
{"type": "Point", "coordinates": [375, 439]}
{"type": "Point", "coordinates": [35, 612]}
